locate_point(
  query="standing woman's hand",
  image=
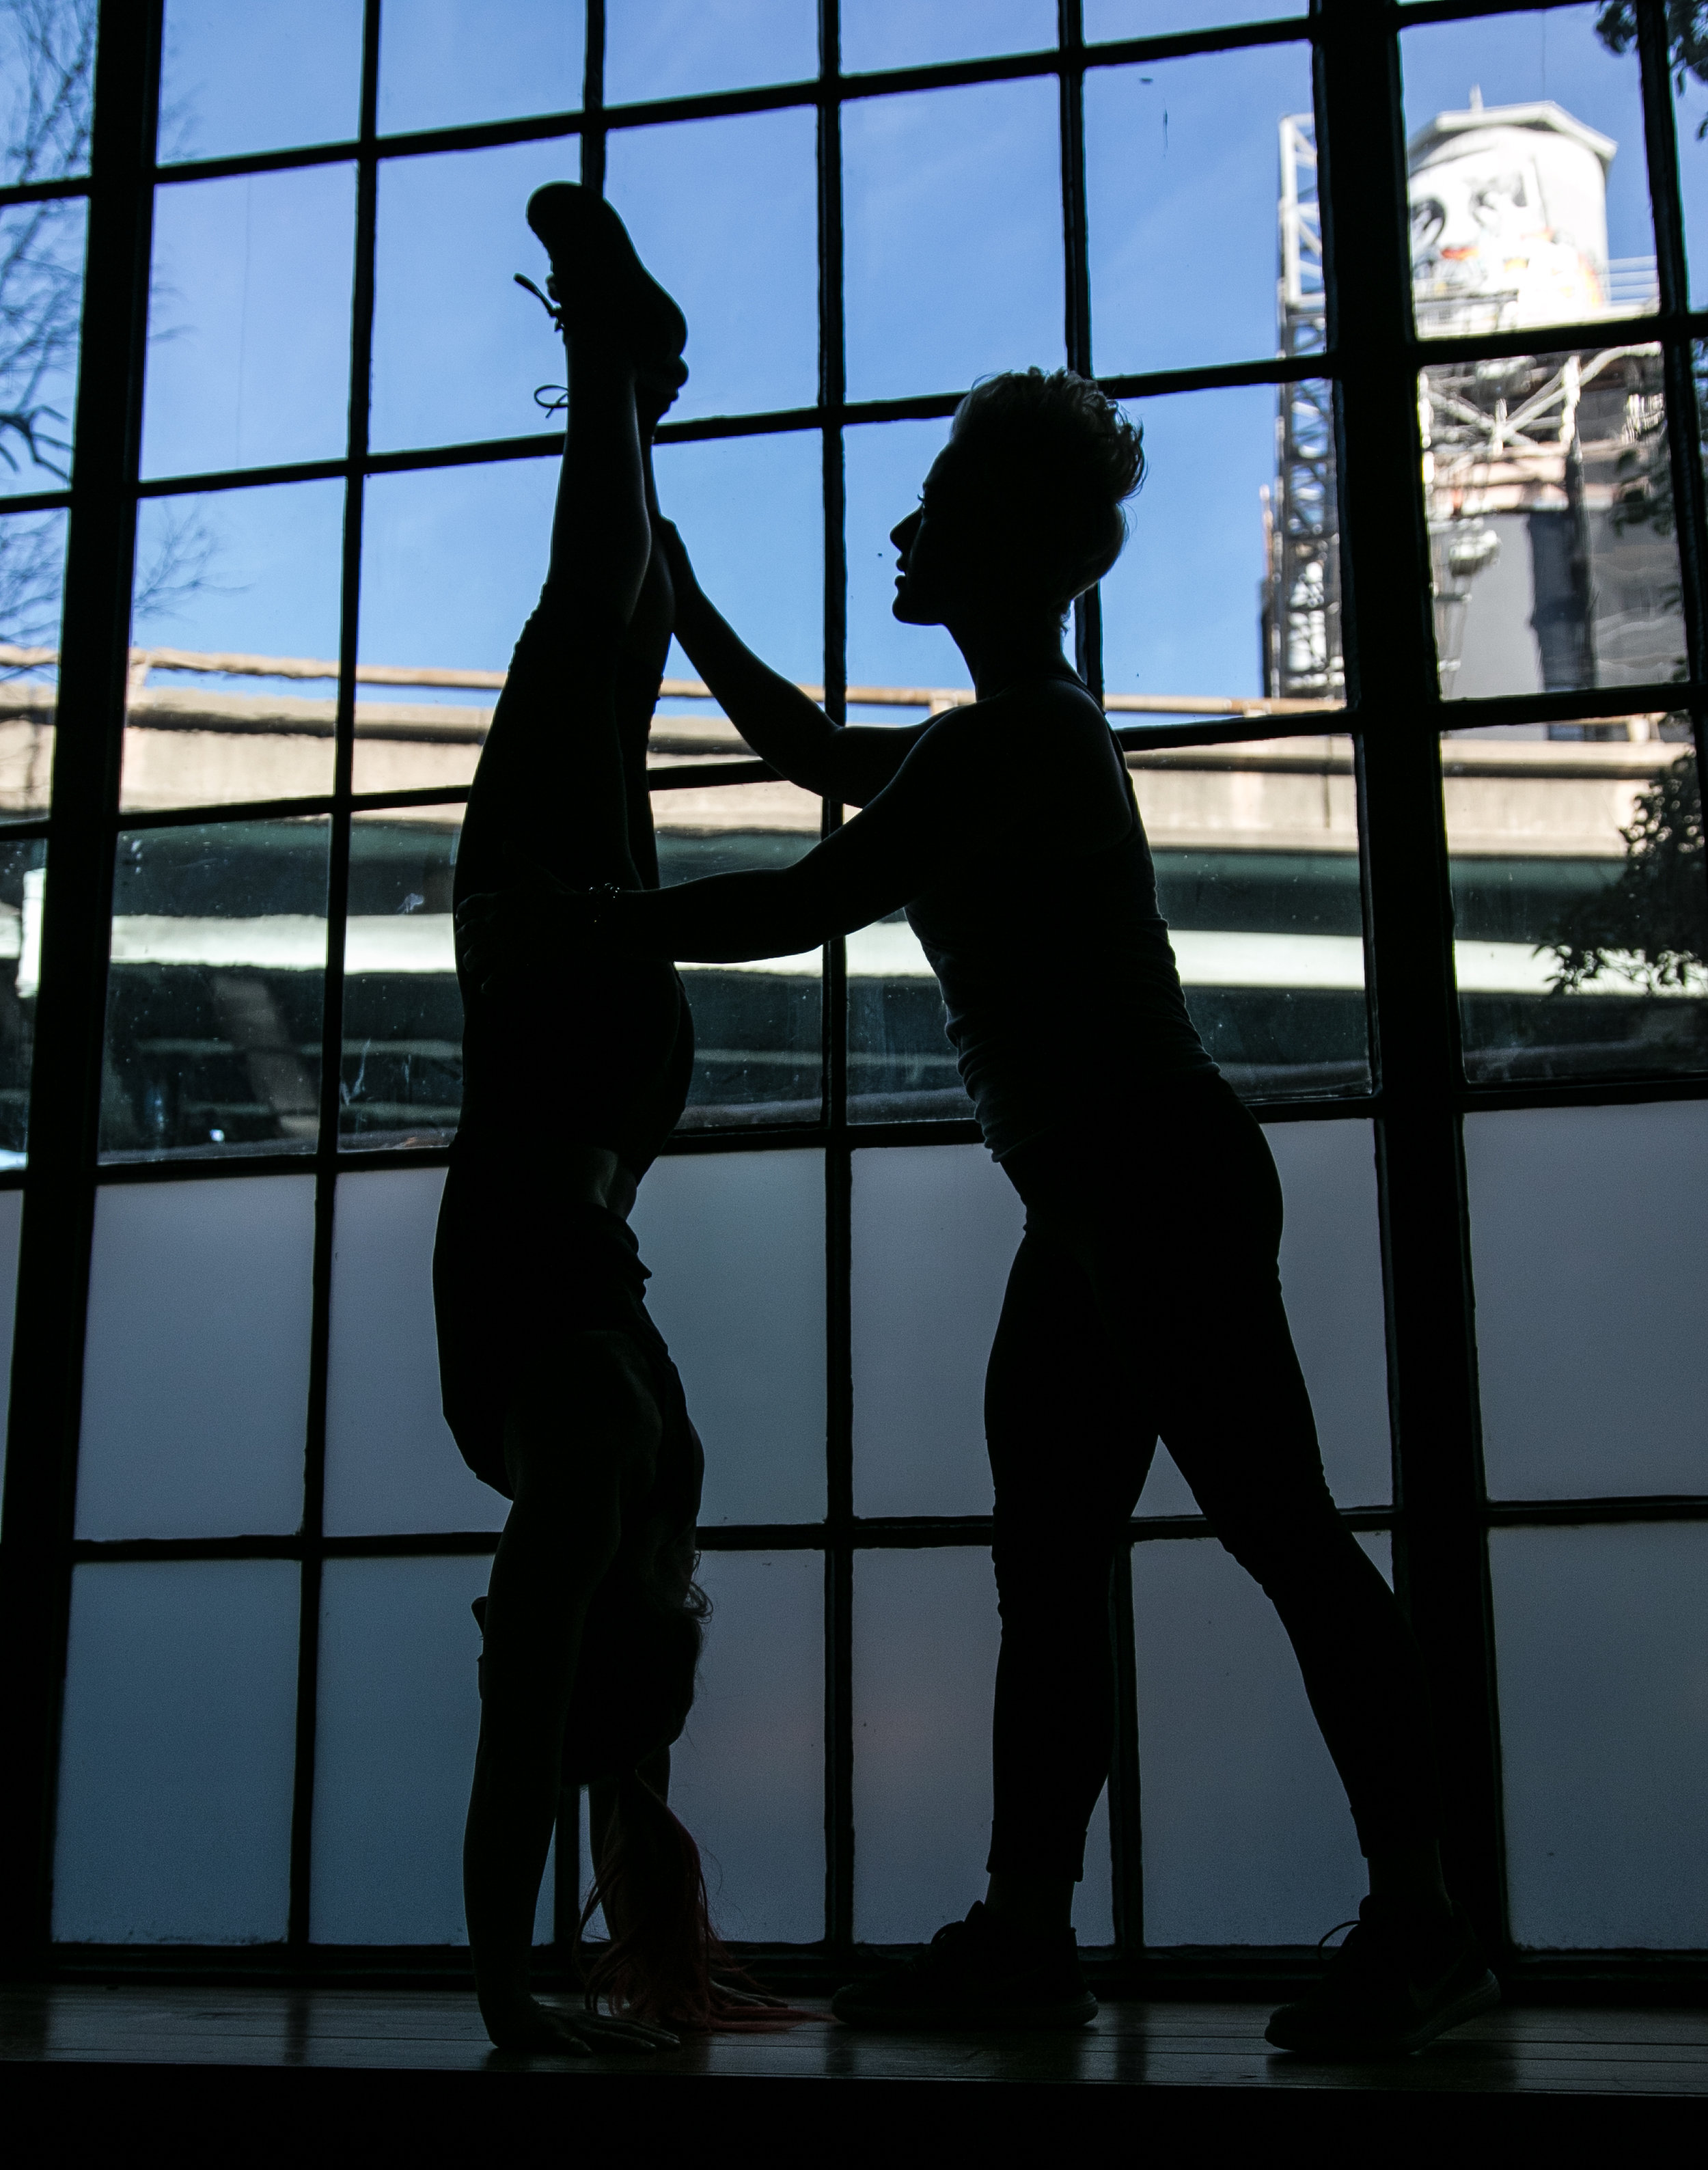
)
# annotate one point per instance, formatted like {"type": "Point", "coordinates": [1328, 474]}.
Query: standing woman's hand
{"type": "Point", "coordinates": [525, 929]}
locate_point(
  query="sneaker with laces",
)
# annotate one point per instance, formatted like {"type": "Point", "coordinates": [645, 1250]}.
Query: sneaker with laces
{"type": "Point", "coordinates": [975, 1975]}
{"type": "Point", "coordinates": [598, 279]}
{"type": "Point", "coordinates": [1391, 1988]}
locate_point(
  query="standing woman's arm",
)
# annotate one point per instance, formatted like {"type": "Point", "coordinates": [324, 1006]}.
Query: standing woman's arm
{"type": "Point", "coordinates": [851, 764]}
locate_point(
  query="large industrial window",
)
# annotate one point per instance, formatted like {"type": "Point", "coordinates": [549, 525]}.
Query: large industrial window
{"type": "Point", "coordinates": [1408, 653]}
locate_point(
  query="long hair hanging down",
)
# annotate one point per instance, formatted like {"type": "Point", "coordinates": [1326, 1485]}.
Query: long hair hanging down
{"type": "Point", "coordinates": [664, 1959]}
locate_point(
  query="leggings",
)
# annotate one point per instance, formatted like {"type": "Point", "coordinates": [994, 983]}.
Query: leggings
{"type": "Point", "coordinates": [1145, 1303]}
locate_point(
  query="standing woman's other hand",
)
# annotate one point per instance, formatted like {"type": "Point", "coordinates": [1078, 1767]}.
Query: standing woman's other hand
{"type": "Point", "coordinates": [525, 929]}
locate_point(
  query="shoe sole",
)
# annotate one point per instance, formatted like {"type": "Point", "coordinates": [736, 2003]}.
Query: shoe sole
{"type": "Point", "coordinates": [1480, 1996]}
{"type": "Point", "coordinates": [1055, 2017]}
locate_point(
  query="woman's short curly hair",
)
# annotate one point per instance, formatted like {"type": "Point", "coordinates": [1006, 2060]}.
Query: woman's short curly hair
{"type": "Point", "coordinates": [1049, 460]}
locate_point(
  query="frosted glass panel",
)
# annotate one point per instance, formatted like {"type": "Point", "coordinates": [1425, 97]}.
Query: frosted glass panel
{"type": "Point", "coordinates": [391, 1463]}
{"type": "Point", "coordinates": [1603, 1659]}
{"type": "Point", "coordinates": [1592, 1297]}
{"type": "Point", "coordinates": [1248, 1838]}
{"type": "Point", "coordinates": [748, 1775]}
{"type": "Point", "coordinates": [936, 1228]}
{"type": "Point", "coordinates": [399, 1714]}
{"type": "Point", "coordinates": [926, 1639]}
{"type": "Point", "coordinates": [176, 1758]}
{"type": "Point", "coordinates": [11, 1221]}
{"type": "Point", "coordinates": [195, 1373]}
{"type": "Point", "coordinates": [736, 1244]}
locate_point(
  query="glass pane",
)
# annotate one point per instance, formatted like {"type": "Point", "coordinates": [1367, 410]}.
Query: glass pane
{"type": "Point", "coordinates": [1181, 204]}
{"type": "Point", "coordinates": [884, 469]}
{"type": "Point", "coordinates": [736, 1244]}
{"type": "Point", "coordinates": [1529, 182]}
{"type": "Point", "coordinates": [751, 510]}
{"type": "Point", "coordinates": [249, 328]}
{"type": "Point", "coordinates": [1550, 499]}
{"type": "Point", "coordinates": [392, 1465]}
{"type": "Point", "coordinates": [1256, 848]}
{"type": "Point", "coordinates": [1248, 1838]}
{"type": "Point", "coordinates": [446, 63]}
{"type": "Point", "coordinates": [22, 888]}
{"type": "Point", "coordinates": [32, 583]}
{"type": "Point", "coordinates": [462, 374]}
{"type": "Point", "coordinates": [1592, 1297]}
{"type": "Point", "coordinates": [1581, 929]}
{"type": "Point", "coordinates": [922, 1748]}
{"type": "Point", "coordinates": [1106, 20]}
{"type": "Point", "coordinates": [892, 33]}
{"type": "Point", "coordinates": [195, 1369]}
{"type": "Point", "coordinates": [936, 1228]}
{"type": "Point", "coordinates": [952, 234]}
{"type": "Point", "coordinates": [177, 1754]}
{"type": "Point", "coordinates": [402, 1079]}
{"type": "Point", "coordinates": [1690, 112]}
{"type": "Point", "coordinates": [1603, 1673]}
{"type": "Point", "coordinates": [748, 1775]}
{"type": "Point", "coordinates": [11, 1221]}
{"type": "Point", "coordinates": [453, 559]}
{"type": "Point", "coordinates": [678, 48]}
{"type": "Point", "coordinates": [47, 82]}
{"type": "Point", "coordinates": [1239, 494]}
{"type": "Point", "coordinates": [214, 994]}
{"type": "Point", "coordinates": [758, 1027]}
{"type": "Point", "coordinates": [399, 1712]}
{"type": "Point", "coordinates": [233, 677]}
{"type": "Point", "coordinates": [753, 310]}
{"type": "Point", "coordinates": [41, 294]}
{"type": "Point", "coordinates": [259, 77]}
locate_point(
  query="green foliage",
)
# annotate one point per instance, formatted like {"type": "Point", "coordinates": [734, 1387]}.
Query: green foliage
{"type": "Point", "coordinates": [1650, 926]}
{"type": "Point", "coordinates": [1687, 37]}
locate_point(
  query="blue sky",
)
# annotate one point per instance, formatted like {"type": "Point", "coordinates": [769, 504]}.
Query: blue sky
{"type": "Point", "coordinates": [954, 270]}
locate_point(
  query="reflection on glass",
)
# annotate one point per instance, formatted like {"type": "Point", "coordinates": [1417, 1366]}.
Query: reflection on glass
{"type": "Point", "coordinates": [1179, 178]}
{"type": "Point", "coordinates": [1549, 493]}
{"type": "Point", "coordinates": [449, 63]}
{"type": "Point", "coordinates": [953, 234]}
{"type": "Point", "coordinates": [47, 82]}
{"type": "Point", "coordinates": [680, 48]}
{"type": "Point", "coordinates": [893, 34]}
{"type": "Point", "coordinates": [235, 627]}
{"type": "Point", "coordinates": [22, 885]}
{"type": "Point", "coordinates": [1529, 184]}
{"type": "Point", "coordinates": [262, 77]}
{"type": "Point", "coordinates": [32, 579]}
{"type": "Point", "coordinates": [1256, 848]}
{"type": "Point", "coordinates": [460, 370]}
{"type": "Point", "coordinates": [752, 311]}
{"type": "Point", "coordinates": [214, 991]}
{"type": "Point", "coordinates": [453, 559]}
{"type": "Point", "coordinates": [41, 292]}
{"type": "Point", "coordinates": [1581, 928]}
{"type": "Point", "coordinates": [1106, 19]}
{"type": "Point", "coordinates": [757, 1026]}
{"type": "Point", "coordinates": [248, 321]}
{"type": "Point", "coordinates": [402, 1078]}
{"type": "Point", "coordinates": [1239, 489]}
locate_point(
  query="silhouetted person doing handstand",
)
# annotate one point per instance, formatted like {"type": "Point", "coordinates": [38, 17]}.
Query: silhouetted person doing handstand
{"type": "Point", "coordinates": [557, 1384]}
{"type": "Point", "coordinates": [1145, 1299]}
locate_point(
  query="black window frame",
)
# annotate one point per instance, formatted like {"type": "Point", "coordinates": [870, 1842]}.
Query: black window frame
{"type": "Point", "coordinates": [1394, 714]}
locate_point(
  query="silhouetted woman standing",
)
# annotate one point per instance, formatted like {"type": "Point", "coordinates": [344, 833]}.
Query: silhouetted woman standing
{"type": "Point", "coordinates": [1146, 1298]}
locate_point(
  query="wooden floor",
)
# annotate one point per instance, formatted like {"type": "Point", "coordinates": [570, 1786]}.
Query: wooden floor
{"type": "Point", "coordinates": [387, 2060]}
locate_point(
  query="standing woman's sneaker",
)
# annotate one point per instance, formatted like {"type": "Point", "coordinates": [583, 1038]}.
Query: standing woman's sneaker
{"type": "Point", "coordinates": [1390, 1988]}
{"type": "Point", "coordinates": [975, 1975]}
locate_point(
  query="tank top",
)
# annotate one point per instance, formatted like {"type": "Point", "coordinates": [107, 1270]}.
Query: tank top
{"type": "Point", "coordinates": [1061, 995]}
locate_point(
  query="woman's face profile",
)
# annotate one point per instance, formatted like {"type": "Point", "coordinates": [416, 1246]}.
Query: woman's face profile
{"type": "Point", "coordinates": [932, 562]}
